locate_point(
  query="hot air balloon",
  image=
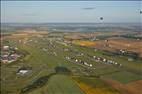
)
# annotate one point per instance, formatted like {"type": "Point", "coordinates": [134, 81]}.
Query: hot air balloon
{"type": "Point", "coordinates": [101, 18]}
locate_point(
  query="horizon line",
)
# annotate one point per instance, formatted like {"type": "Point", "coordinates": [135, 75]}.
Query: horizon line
{"type": "Point", "coordinates": [63, 22]}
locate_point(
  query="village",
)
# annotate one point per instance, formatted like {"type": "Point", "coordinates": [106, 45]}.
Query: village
{"type": "Point", "coordinates": [9, 54]}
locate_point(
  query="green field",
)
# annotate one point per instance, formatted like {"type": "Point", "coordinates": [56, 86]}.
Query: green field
{"type": "Point", "coordinates": [123, 76]}
{"type": "Point", "coordinates": [61, 84]}
{"type": "Point", "coordinates": [58, 84]}
{"type": "Point", "coordinates": [44, 62]}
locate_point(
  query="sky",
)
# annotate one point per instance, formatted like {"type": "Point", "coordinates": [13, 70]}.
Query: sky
{"type": "Point", "coordinates": [71, 11]}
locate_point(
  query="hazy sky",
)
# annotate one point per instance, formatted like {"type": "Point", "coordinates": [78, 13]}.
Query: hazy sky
{"type": "Point", "coordinates": [70, 11]}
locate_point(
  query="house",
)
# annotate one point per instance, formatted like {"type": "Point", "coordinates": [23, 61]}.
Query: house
{"type": "Point", "coordinates": [66, 49]}
{"type": "Point", "coordinates": [16, 48]}
{"type": "Point", "coordinates": [44, 49]}
{"type": "Point", "coordinates": [90, 65]}
{"type": "Point", "coordinates": [130, 59]}
{"type": "Point", "coordinates": [94, 57]}
{"type": "Point", "coordinates": [76, 60]}
{"type": "Point", "coordinates": [5, 47]}
{"type": "Point", "coordinates": [104, 60]}
{"type": "Point", "coordinates": [79, 54]}
{"type": "Point", "coordinates": [24, 70]}
{"type": "Point", "coordinates": [67, 57]}
{"type": "Point", "coordinates": [4, 59]}
{"type": "Point", "coordinates": [122, 51]}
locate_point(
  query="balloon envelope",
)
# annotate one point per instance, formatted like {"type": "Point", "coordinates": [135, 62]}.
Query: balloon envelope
{"type": "Point", "coordinates": [101, 18]}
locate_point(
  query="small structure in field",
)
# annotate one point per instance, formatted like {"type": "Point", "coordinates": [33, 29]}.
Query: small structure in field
{"type": "Point", "coordinates": [24, 71]}
{"type": "Point", "coordinates": [6, 47]}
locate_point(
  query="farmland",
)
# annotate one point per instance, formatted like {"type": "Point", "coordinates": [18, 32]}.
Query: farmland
{"type": "Point", "coordinates": [60, 66]}
{"type": "Point", "coordinates": [94, 86]}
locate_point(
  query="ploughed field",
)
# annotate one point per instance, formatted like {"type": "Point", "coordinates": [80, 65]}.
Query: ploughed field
{"type": "Point", "coordinates": [114, 45]}
{"type": "Point", "coordinates": [58, 67]}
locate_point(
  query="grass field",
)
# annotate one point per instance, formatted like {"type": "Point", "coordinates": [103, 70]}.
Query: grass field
{"type": "Point", "coordinates": [45, 54]}
{"type": "Point", "coordinates": [59, 84]}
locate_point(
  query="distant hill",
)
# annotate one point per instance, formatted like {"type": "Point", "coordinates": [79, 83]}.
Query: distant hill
{"type": "Point", "coordinates": [72, 27]}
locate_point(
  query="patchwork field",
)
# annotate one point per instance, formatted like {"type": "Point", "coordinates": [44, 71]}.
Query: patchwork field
{"type": "Point", "coordinates": [113, 45]}
{"type": "Point", "coordinates": [94, 86]}
{"type": "Point", "coordinates": [53, 73]}
{"type": "Point", "coordinates": [125, 44]}
{"type": "Point", "coordinates": [130, 88]}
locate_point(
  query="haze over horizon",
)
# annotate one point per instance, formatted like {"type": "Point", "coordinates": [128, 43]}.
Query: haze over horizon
{"type": "Point", "coordinates": [71, 11]}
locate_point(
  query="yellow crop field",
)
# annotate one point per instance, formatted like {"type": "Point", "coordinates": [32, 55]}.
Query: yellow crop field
{"type": "Point", "coordinates": [84, 43]}
{"type": "Point", "coordinates": [94, 90]}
